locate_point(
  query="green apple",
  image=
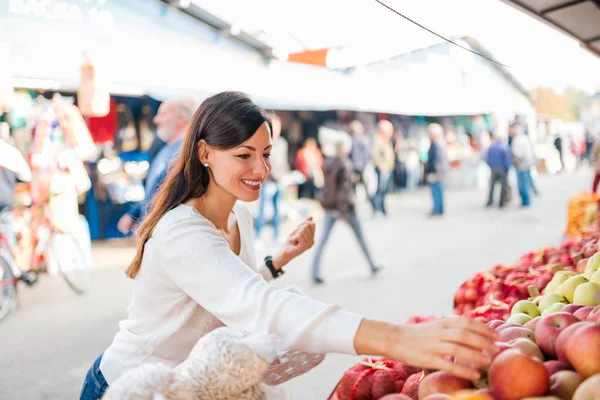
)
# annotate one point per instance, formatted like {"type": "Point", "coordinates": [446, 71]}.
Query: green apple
{"type": "Point", "coordinates": [536, 301]}
{"type": "Point", "coordinates": [556, 281]}
{"type": "Point", "coordinates": [567, 289]}
{"type": "Point", "coordinates": [593, 262]}
{"type": "Point", "coordinates": [589, 273]}
{"type": "Point", "coordinates": [519, 318]}
{"type": "Point", "coordinates": [550, 299]}
{"type": "Point", "coordinates": [595, 277]}
{"type": "Point", "coordinates": [553, 308]}
{"type": "Point", "coordinates": [585, 294]}
{"type": "Point", "coordinates": [525, 307]}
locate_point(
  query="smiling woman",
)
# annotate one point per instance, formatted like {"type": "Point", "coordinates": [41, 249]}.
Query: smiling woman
{"type": "Point", "coordinates": [195, 268]}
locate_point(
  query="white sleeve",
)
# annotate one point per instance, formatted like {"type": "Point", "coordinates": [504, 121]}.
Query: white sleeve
{"type": "Point", "coordinates": [199, 260]}
{"type": "Point", "coordinates": [13, 160]}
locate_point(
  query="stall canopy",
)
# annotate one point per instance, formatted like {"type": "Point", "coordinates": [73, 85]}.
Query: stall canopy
{"type": "Point", "coordinates": [578, 18]}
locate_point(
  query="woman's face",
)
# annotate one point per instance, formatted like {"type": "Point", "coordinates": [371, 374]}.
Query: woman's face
{"type": "Point", "coordinates": [242, 170]}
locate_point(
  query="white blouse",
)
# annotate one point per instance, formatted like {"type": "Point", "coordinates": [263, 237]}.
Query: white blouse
{"type": "Point", "coordinates": [191, 283]}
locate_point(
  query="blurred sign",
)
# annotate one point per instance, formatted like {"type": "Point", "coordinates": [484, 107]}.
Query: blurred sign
{"type": "Point", "coordinates": [6, 89]}
{"type": "Point", "coordinates": [93, 12]}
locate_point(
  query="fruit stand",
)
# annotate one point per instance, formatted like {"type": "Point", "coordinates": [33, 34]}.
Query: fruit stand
{"type": "Point", "coordinates": [545, 308]}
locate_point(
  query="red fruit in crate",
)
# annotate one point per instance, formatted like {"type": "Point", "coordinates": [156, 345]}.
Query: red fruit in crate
{"type": "Point", "coordinates": [459, 297]}
{"type": "Point", "coordinates": [581, 265]}
{"type": "Point", "coordinates": [594, 315]}
{"type": "Point", "coordinates": [570, 308]}
{"type": "Point", "coordinates": [471, 295]}
{"type": "Point", "coordinates": [410, 370]}
{"type": "Point", "coordinates": [468, 308]}
{"type": "Point", "coordinates": [395, 396]}
{"type": "Point", "coordinates": [583, 312]}
{"type": "Point", "coordinates": [438, 396]}
{"type": "Point", "coordinates": [564, 338]}
{"type": "Point", "coordinates": [532, 324]}
{"type": "Point", "coordinates": [459, 309]}
{"type": "Point", "coordinates": [583, 350]}
{"type": "Point", "coordinates": [553, 366]}
{"type": "Point", "coordinates": [507, 325]}
{"type": "Point", "coordinates": [442, 382]}
{"type": "Point", "coordinates": [549, 328]}
{"type": "Point", "coordinates": [411, 386]}
{"type": "Point", "coordinates": [514, 332]}
{"type": "Point", "coordinates": [514, 376]}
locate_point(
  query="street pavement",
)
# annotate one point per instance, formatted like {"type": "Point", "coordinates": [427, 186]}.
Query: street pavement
{"type": "Point", "coordinates": [49, 342]}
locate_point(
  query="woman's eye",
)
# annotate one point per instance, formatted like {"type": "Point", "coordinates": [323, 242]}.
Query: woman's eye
{"type": "Point", "coordinates": [244, 156]}
{"type": "Point", "coordinates": [268, 155]}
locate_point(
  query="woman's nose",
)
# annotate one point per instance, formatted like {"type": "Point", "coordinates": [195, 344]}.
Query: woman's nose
{"type": "Point", "coordinates": [262, 167]}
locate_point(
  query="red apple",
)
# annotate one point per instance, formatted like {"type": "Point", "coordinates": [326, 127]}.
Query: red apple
{"type": "Point", "coordinates": [553, 366]}
{"type": "Point", "coordinates": [514, 376]}
{"type": "Point", "coordinates": [527, 347]}
{"type": "Point", "coordinates": [505, 326]}
{"type": "Point", "coordinates": [571, 308]}
{"type": "Point", "coordinates": [548, 329]}
{"type": "Point", "coordinates": [442, 382]}
{"type": "Point", "coordinates": [398, 396]}
{"type": "Point", "coordinates": [495, 323]}
{"type": "Point", "coordinates": [581, 265]}
{"type": "Point", "coordinates": [564, 383]}
{"type": "Point", "coordinates": [532, 324]}
{"type": "Point", "coordinates": [563, 339]}
{"type": "Point", "coordinates": [594, 315]}
{"type": "Point", "coordinates": [411, 386]}
{"type": "Point", "coordinates": [583, 350]}
{"type": "Point", "coordinates": [589, 389]}
{"type": "Point", "coordinates": [508, 334]}
{"type": "Point", "coordinates": [583, 312]}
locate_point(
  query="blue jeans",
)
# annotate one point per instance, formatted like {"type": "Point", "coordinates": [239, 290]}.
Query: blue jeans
{"type": "Point", "coordinates": [94, 385]}
{"type": "Point", "coordinates": [531, 183]}
{"type": "Point", "coordinates": [330, 218]}
{"type": "Point", "coordinates": [437, 192]}
{"type": "Point", "coordinates": [260, 219]}
{"type": "Point", "coordinates": [384, 183]}
{"type": "Point", "coordinates": [524, 184]}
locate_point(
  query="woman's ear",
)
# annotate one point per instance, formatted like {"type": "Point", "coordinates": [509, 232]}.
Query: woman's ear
{"type": "Point", "coordinates": [203, 151]}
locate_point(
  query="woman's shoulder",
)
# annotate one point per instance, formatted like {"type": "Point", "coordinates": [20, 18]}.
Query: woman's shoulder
{"type": "Point", "coordinates": [182, 216]}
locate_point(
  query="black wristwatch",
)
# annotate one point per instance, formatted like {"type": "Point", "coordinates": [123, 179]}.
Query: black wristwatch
{"type": "Point", "coordinates": [269, 263]}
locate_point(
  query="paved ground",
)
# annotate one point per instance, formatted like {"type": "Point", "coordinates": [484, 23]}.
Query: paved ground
{"type": "Point", "coordinates": [47, 345]}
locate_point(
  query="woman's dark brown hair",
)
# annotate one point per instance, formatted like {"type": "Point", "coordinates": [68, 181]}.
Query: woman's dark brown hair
{"type": "Point", "coordinates": [224, 121]}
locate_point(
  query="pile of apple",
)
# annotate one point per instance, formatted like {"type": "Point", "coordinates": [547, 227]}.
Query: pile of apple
{"type": "Point", "coordinates": [491, 294]}
{"type": "Point", "coordinates": [556, 356]}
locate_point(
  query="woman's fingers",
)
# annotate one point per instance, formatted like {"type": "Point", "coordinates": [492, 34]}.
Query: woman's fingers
{"type": "Point", "coordinates": [468, 355]}
{"type": "Point", "coordinates": [470, 325]}
{"type": "Point", "coordinates": [469, 338]}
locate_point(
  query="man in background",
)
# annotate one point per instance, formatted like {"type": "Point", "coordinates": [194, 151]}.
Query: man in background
{"type": "Point", "coordinates": [359, 153]}
{"type": "Point", "coordinates": [384, 159]}
{"type": "Point", "coordinates": [522, 155]}
{"type": "Point", "coordinates": [499, 160]}
{"type": "Point", "coordinates": [437, 165]}
{"type": "Point", "coordinates": [171, 122]}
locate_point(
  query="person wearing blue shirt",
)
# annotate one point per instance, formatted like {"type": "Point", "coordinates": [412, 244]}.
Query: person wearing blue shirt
{"type": "Point", "coordinates": [499, 160]}
{"type": "Point", "coordinates": [171, 122]}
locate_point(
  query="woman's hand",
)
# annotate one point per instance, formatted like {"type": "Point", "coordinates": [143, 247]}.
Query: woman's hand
{"type": "Point", "coordinates": [425, 345]}
{"type": "Point", "coordinates": [300, 240]}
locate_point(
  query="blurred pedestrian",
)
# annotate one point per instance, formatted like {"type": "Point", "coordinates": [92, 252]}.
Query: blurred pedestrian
{"type": "Point", "coordinates": [384, 159]}
{"type": "Point", "coordinates": [558, 144]}
{"type": "Point", "coordinates": [413, 165]}
{"type": "Point", "coordinates": [171, 125]}
{"type": "Point", "coordinates": [523, 160]}
{"type": "Point", "coordinates": [437, 166]}
{"type": "Point", "coordinates": [309, 161]}
{"type": "Point", "coordinates": [595, 158]}
{"type": "Point", "coordinates": [273, 188]}
{"type": "Point", "coordinates": [499, 160]}
{"type": "Point", "coordinates": [339, 201]}
{"type": "Point", "coordinates": [359, 154]}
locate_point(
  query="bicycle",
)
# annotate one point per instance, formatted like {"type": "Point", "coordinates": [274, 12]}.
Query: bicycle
{"type": "Point", "coordinates": [73, 263]}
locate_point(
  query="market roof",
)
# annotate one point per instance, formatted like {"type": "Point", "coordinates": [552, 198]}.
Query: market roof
{"type": "Point", "coordinates": [579, 19]}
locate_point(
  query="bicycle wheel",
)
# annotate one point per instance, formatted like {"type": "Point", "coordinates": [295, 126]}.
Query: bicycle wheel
{"type": "Point", "coordinates": [73, 265]}
{"type": "Point", "coordinates": [8, 288]}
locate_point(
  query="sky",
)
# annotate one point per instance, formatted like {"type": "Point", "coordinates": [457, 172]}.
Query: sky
{"type": "Point", "coordinates": [537, 54]}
